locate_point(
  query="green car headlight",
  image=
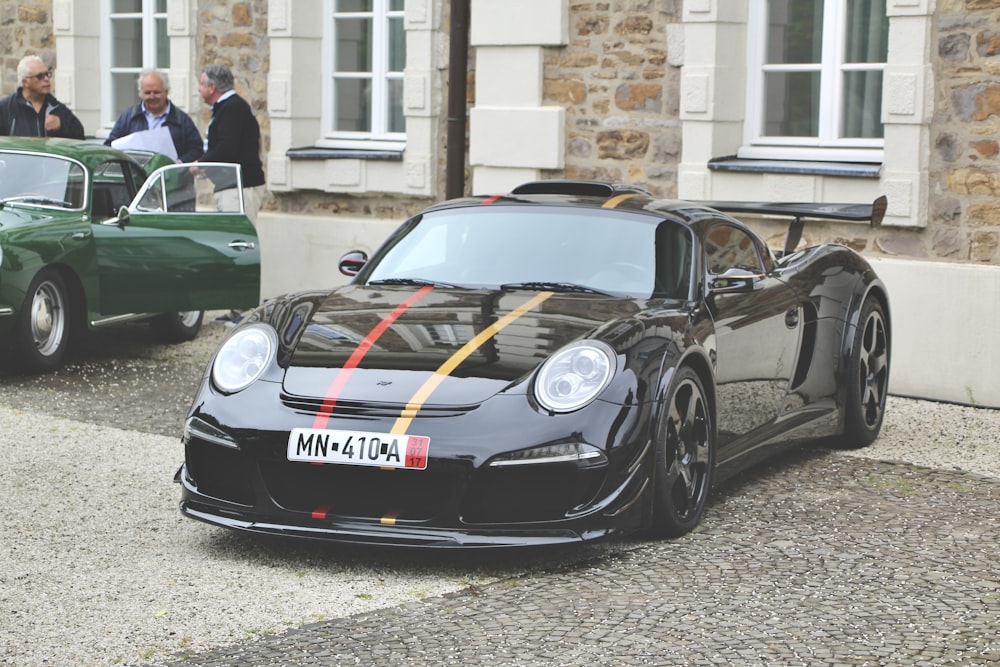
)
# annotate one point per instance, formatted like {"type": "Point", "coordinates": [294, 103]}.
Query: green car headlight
{"type": "Point", "coordinates": [244, 357]}
{"type": "Point", "coordinates": [574, 376]}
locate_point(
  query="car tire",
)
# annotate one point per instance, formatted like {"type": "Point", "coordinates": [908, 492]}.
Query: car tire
{"type": "Point", "coordinates": [685, 457]}
{"type": "Point", "coordinates": [178, 327]}
{"type": "Point", "coordinates": [867, 377]}
{"type": "Point", "coordinates": [42, 332]}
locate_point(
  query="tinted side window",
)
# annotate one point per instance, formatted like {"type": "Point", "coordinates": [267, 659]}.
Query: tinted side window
{"type": "Point", "coordinates": [728, 247]}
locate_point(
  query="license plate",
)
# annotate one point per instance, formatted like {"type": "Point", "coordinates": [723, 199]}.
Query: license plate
{"type": "Point", "coordinates": [360, 448]}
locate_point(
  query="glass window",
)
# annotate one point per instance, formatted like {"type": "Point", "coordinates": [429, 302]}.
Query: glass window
{"type": "Point", "coordinates": [363, 72]}
{"type": "Point", "coordinates": [488, 247]}
{"type": "Point", "coordinates": [728, 247]}
{"type": "Point", "coordinates": [135, 39]}
{"type": "Point", "coordinates": [815, 78]}
{"type": "Point", "coordinates": [41, 180]}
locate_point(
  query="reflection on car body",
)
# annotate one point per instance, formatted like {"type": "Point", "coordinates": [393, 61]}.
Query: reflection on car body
{"type": "Point", "coordinates": [566, 362]}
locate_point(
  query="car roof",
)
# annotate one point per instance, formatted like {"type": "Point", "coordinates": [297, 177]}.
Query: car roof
{"type": "Point", "coordinates": [89, 153]}
{"type": "Point", "coordinates": [589, 194]}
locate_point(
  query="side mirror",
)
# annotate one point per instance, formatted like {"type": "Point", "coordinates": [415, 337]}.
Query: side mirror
{"type": "Point", "coordinates": [120, 221]}
{"type": "Point", "coordinates": [353, 262]}
{"type": "Point", "coordinates": [733, 281]}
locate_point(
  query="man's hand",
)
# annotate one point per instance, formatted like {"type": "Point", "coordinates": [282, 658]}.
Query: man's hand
{"type": "Point", "coordinates": [52, 123]}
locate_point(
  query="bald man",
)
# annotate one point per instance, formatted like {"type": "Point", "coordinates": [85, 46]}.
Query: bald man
{"type": "Point", "coordinates": [156, 110]}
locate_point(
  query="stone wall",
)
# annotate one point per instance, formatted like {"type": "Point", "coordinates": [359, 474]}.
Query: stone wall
{"type": "Point", "coordinates": [620, 93]}
{"type": "Point", "coordinates": [25, 28]}
{"type": "Point", "coordinates": [965, 168]}
{"type": "Point", "coordinates": [235, 34]}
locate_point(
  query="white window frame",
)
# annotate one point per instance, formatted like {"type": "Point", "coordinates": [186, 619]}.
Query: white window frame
{"type": "Point", "coordinates": [148, 16]}
{"type": "Point", "coordinates": [379, 138]}
{"type": "Point", "coordinates": [827, 147]}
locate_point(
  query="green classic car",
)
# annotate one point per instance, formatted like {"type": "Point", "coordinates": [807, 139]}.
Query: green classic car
{"type": "Point", "coordinates": [91, 236]}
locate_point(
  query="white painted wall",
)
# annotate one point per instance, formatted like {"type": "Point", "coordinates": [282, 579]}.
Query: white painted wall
{"type": "Point", "coordinates": [945, 325]}
{"type": "Point", "coordinates": [945, 317]}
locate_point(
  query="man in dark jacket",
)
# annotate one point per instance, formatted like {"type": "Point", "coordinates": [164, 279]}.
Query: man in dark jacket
{"type": "Point", "coordinates": [233, 136]}
{"type": "Point", "coordinates": [32, 111]}
{"type": "Point", "coordinates": [156, 110]}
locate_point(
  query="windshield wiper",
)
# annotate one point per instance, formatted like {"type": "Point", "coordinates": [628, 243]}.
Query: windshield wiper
{"type": "Point", "coordinates": [552, 287]}
{"type": "Point", "coordinates": [35, 199]}
{"type": "Point", "coordinates": [420, 282]}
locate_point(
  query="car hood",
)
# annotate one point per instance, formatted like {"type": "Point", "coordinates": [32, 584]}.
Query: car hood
{"type": "Point", "coordinates": [391, 340]}
{"type": "Point", "coordinates": [14, 215]}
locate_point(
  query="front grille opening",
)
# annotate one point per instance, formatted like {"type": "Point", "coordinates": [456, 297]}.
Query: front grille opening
{"type": "Point", "coordinates": [368, 410]}
{"type": "Point", "coordinates": [519, 494]}
{"type": "Point", "coordinates": [219, 472]}
{"type": "Point", "coordinates": [358, 491]}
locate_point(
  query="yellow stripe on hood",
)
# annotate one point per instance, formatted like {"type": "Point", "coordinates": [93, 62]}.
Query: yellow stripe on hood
{"type": "Point", "coordinates": [424, 392]}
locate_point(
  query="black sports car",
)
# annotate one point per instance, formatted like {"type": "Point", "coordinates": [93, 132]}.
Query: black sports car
{"type": "Point", "coordinates": [566, 362]}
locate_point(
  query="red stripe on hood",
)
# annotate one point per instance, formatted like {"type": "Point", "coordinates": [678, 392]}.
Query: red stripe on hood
{"type": "Point", "coordinates": [333, 393]}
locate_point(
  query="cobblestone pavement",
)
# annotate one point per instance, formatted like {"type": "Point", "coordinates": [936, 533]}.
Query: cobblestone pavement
{"type": "Point", "coordinates": [817, 559]}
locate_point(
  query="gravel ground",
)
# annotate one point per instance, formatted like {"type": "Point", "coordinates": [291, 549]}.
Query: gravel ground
{"type": "Point", "coordinates": [98, 567]}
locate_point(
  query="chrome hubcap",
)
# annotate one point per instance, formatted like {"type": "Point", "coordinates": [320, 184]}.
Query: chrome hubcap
{"type": "Point", "coordinates": [48, 319]}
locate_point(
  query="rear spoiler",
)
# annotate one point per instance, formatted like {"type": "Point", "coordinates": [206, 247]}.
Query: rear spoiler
{"type": "Point", "coordinates": [872, 213]}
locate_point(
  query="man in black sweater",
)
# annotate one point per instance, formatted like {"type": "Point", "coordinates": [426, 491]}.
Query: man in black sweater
{"type": "Point", "coordinates": [233, 136]}
{"type": "Point", "coordinates": [32, 111]}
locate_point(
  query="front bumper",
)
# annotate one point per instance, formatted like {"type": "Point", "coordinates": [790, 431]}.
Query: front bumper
{"type": "Point", "coordinates": [455, 502]}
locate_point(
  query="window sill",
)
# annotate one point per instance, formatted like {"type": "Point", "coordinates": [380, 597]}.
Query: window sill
{"type": "Point", "coordinates": [846, 169]}
{"type": "Point", "coordinates": [319, 153]}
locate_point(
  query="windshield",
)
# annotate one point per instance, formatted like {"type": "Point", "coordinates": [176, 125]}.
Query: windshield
{"type": "Point", "coordinates": [535, 247]}
{"type": "Point", "coordinates": [41, 180]}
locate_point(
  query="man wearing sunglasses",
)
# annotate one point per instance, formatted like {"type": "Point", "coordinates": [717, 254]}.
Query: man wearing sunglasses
{"type": "Point", "coordinates": [32, 111]}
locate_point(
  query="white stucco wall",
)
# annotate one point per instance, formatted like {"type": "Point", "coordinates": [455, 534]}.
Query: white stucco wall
{"type": "Point", "coordinates": [945, 324]}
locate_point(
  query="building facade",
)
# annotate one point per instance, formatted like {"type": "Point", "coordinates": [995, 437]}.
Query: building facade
{"type": "Point", "coordinates": [760, 100]}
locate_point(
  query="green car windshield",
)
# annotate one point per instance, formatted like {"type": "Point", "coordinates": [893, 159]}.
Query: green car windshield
{"type": "Point", "coordinates": [41, 180]}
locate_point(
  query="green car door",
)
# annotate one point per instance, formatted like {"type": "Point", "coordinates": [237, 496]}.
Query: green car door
{"type": "Point", "coordinates": [172, 250]}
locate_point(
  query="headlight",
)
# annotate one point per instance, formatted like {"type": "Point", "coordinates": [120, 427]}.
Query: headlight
{"type": "Point", "coordinates": [243, 357]}
{"type": "Point", "coordinates": [585, 456]}
{"type": "Point", "coordinates": [574, 376]}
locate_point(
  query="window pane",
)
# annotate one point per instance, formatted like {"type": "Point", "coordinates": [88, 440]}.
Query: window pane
{"type": "Point", "coordinates": [161, 6]}
{"type": "Point", "coordinates": [125, 92]}
{"type": "Point", "coordinates": [395, 5]}
{"type": "Point", "coordinates": [120, 6]}
{"type": "Point", "coordinates": [353, 6]}
{"type": "Point", "coordinates": [162, 45]}
{"type": "Point", "coordinates": [791, 104]}
{"type": "Point", "coordinates": [867, 36]}
{"type": "Point", "coordinates": [354, 45]}
{"type": "Point", "coordinates": [126, 39]}
{"type": "Point", "coordinates": [397, 45]}
{"type": "Point", "coordinates": [352, 102]}
{"type": "Point", "coordinates": [795, 31]}
{"type": "Point", "coordinates": [861, 115]}
{"type": "Point", "coordinates": [394, 102]}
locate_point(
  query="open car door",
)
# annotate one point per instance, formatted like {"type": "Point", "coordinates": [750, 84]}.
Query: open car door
{"type": "Point", "coordinates": [171, 249]}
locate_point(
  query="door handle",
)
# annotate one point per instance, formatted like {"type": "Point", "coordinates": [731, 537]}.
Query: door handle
{"type": "Point", "coordinates": [242, 245]}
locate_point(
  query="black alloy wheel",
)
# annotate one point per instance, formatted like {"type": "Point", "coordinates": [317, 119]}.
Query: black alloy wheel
{"type": "Point", "coordinates": [868, 377]}
{"type": "Point", "coordinates": [685, 457]}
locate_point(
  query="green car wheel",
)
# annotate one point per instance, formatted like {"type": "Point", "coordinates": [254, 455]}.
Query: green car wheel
{"type": "Point", "coordinates": [41, 337]}
{"type": "Point", "coordinates": [178, 327]}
